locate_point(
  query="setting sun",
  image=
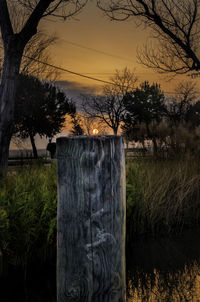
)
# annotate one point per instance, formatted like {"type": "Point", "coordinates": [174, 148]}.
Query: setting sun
{"type": "Point", "coordinates": [95, 131]}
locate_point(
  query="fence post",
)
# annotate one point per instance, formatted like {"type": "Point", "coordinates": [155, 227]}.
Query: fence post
{"type": "Point", "coordinates": [91, 219]}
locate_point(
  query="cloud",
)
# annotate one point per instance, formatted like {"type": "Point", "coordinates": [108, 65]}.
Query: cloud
{"type": "Point", "coordinates": [75, 89]}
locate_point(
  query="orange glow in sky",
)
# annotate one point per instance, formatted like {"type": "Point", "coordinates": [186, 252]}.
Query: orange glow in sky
{"type": "Point", "coordinates": [93, 45]}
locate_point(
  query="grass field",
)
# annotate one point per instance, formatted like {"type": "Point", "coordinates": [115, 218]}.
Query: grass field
{"type": "Point", "coordinates": [163, 197]}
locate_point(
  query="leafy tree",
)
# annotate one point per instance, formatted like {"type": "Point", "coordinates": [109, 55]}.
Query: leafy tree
{"type": "Point", "coordinates": [40, 108]}
{"type": "Point", "coordinates": [172, 124]}
{"type": "Point", "coordinates": [145, 105]}
{"type": "Point", "coordinates": [14, 42]}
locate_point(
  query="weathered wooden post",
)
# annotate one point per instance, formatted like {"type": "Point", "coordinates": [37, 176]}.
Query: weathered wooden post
{"type": "Point", "coordinates": [91, 219]}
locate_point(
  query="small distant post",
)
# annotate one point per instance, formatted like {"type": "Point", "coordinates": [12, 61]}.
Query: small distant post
{"type": "Point", "coordinates": [91, 219]}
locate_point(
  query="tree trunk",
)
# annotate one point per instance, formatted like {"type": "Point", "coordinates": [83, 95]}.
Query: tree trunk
{"type": "Point", "coordinates": [12, 61]}
{"type": "Point", "coordinates": [35, 154]}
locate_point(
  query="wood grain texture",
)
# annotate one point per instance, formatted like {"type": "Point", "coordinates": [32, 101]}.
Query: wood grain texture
{"type": "Point", "coordinates": [91, 219]}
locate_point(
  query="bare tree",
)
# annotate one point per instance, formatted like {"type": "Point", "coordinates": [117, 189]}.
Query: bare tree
{"type": "Point", "coordinates": [175, 26]}
{"type": "Point", "coordinates": [36, 60]}
{"type": "Point", "coordinates": [14, 43]}
{"type": "Point", "coordinates": [109, 108]}
{"type": "Point", "coordinates": [37, 51]}
{"type": "Point", "coordinates": [89, 123]}
{"type": "Point", "coordinates": [178, 105]}
{"type": "Point", "coordinates": [105, 109]}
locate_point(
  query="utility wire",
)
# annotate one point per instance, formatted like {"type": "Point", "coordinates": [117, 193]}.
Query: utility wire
{"type": "Point", "coordinates": [69, 71]}
{"type": "Point", "coordinates": [66, 70]}
{"type": "Point", "coordinates": [80, 74]}
{"type": "Point", "coordinates": [97, 51]}
{"type": "Point", "coordinates": [77, 73]}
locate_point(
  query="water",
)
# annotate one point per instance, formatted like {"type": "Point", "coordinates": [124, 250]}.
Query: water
{"type": "Point", "coordinates": [161, 270]}
{"type": "Point", "coordinates": [166, 269]}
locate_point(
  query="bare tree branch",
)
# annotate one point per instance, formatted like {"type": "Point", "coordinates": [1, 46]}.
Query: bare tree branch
{"type": "Point", "coordinates": [38, 49]}
{"type": "Point", "coordinates": [58, 8]}
{"type": "Point", "coordinates": [5, 23]}
{"type": "Point", "coordinates": [109, 108]}
{"type": "Point", "coordinates": [176, 25]}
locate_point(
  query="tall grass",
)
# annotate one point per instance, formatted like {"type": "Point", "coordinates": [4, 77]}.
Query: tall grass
{"type": "Point", "coordinates": [162, 196]}
{"type": "Point", "coordinates": [28, 215]}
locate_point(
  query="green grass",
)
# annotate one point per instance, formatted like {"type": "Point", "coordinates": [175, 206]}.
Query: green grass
{"type": "Point", "coordinates": [28, 200]}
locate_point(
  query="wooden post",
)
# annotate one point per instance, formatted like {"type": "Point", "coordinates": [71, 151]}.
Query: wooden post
{"type": "Point", "coordinates": [91, 219]}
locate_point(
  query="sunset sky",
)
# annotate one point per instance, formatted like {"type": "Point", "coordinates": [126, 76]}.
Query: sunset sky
{"type": "Point", "coordinates": [93, 45]}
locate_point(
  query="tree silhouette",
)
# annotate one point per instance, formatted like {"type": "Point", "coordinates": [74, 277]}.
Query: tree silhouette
{"type": "Point", "coordinates": [14, 42]}
{"type": "Point", "coordinates": [175, 27]}
{"type": "Point", "coordinates": [77, 127]}
{"type": "Point", "coordinates": [145, 105]}
{"type": "Point", "coordinates": [109, 108]}
{"type": "Point", "coordinates": [40, 108]}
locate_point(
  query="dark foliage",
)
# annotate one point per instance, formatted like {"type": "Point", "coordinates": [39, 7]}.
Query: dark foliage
{"type": "Point", "coordinates": [76, 129]}
{"type": "Point", "coordinates": [40, 108]}
{"type": "Point", "coordinates": [144, 105]}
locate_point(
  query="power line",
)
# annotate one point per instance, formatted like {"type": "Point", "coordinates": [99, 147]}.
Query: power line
{"type": "Point", "coordinates": [97, 51]}
{"type": "Point", "coordinates": [66, 70]}
{"type": "Point", "coordinates": [100, 73]}
{"type": "Point", "coordinates": [82, 75]}
{"type": "Point", "coordinates": [79, 74]}
{"type": "Point", "coordinates": [69, 71]}
{"type": "Point", "coordinates": [76, 73]}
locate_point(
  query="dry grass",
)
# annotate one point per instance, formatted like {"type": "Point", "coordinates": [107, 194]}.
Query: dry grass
{"type": "Point", "coordinates": [163, 196]}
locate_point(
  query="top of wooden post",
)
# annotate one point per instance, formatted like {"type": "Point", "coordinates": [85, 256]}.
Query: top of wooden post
{"type": "Point", "coordinates": [73, 146]}
{"type": "Point", "coordinates": [102, 137]}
